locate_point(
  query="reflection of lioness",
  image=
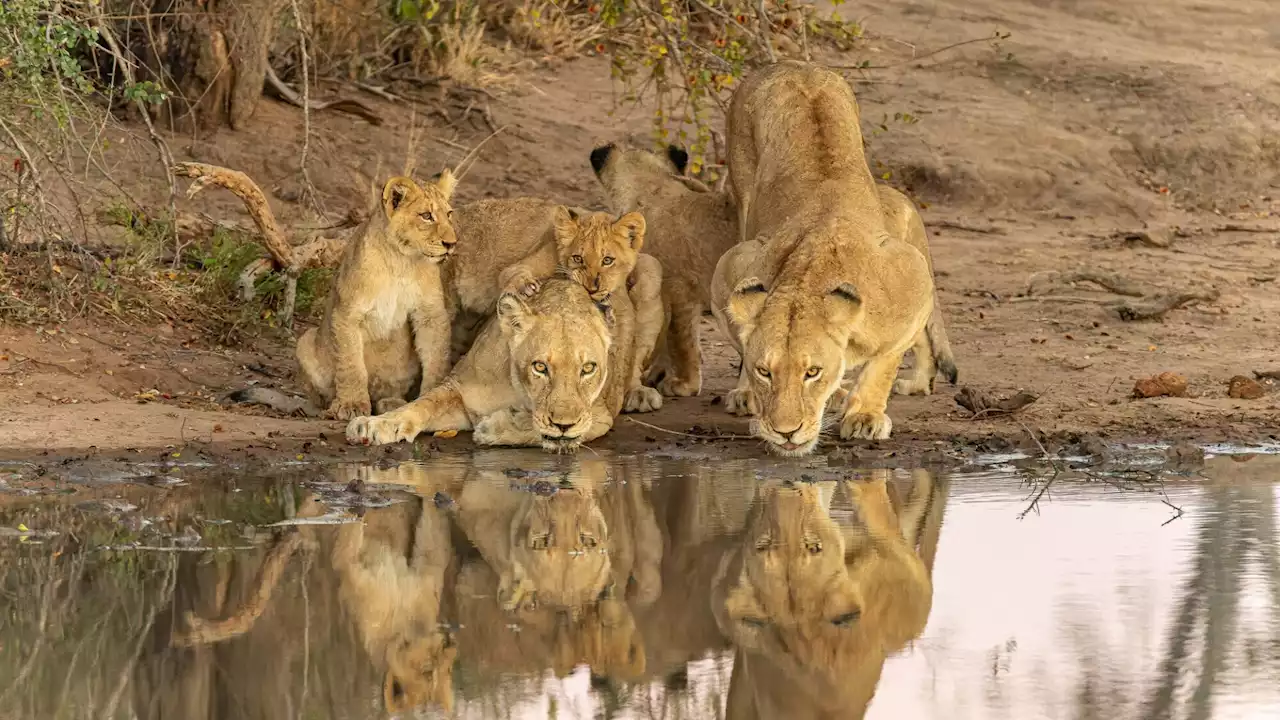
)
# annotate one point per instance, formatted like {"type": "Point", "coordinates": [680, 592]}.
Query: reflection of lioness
{"type": "Point", "coordinates": [385, 333]}
{"type": "Point", "coordinates": [831, 289]}
{"type": "Point", "coordinates": [813, 608]}
{"type": "Point", "coordinates": [540, 373]}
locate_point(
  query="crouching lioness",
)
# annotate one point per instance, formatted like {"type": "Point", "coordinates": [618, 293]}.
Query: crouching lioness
{"type": "Point", "coordinates": [820, 285]}
{"type": "Point", "coordinates": [539, 373]}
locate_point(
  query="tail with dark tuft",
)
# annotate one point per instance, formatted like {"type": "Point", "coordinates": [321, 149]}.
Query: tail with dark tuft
{"type": "Point", "coordinates": [940, 345]}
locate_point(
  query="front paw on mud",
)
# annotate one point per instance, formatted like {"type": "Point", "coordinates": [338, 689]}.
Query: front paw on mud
{"type": "Point", "coordinates": [740, 402]}
{"type": "Point", "coordinates": [675, 387]}
{"type": "Point", "coordinates": [641, 400]}
{"type": "Point", "coordinates": [366, 430]}
{"type": "Point", "coordinates": [866, 426]}
{"type": "Point", "coordinates": [345, 409]}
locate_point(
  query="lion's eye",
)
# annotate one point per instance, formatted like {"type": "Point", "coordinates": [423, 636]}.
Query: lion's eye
{"type": "Point", "coordinates": [588, 368]}
{"type": "Point", "coordinates": [846, 619]}
{"type": "Point", "coordinates": [813, 546]}
{"type": "Point", "coordinates": [753, 621]}
{"type": "Point", "coordinates": [607, 261]}
{"type": "Point", "coordinates": [813, 372]}
{"type": "Point", "coordinates": [587, 540]}
{"type": "Point", "coordinates": [577, 259]}
{"type": "Point", "coordinates": [539, 367]}
{"type": "Point", "coordinates": [763, 543]}
{"type": "Point", "coordinates": [428, 216]}
{"type": "Point", "coordinates": [763, 372]}
{"type": "Point", "coordinates": [540, 542]}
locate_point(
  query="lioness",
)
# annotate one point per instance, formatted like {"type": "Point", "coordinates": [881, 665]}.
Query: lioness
{"type": "Point", "coordinates": [932, 349]}
{"type": "Point", "coordinates": [513, 244]}
{"type": "Point", "coordinates": [385, 333]}
{"type": "Point", "coordinates": [689, 228]}
{"type": "Point", "coordinates": [540, 373]}
{"type": "Point", "coordinates": [813, 608]}
{"type": "Point", "coordinates": [830, 289]}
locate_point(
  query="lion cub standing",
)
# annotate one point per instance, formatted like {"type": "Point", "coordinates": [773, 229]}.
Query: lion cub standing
{"type": "Point", "coordinates": [385, 333]}
{"type": "Point", "coordinates": [690, 228]}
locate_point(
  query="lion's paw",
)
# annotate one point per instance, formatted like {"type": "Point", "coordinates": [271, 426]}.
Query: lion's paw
{"type": "Point", "coordinates": [387, 404]}
{"type": "Point", "coordinates": [866, 426]}
{"type": "Point", "coordinates": [642, 399]}
{"type": "Point", "coordinates": [347, 408]}
{"type": "Point", "coordinates": [740, 402]}
{"type": "Point", "coordinates": [903, 386]}
{"type": "Point", "coordinates": [675, 387]}
{"type": "Point", "coordinates": [383, 430]}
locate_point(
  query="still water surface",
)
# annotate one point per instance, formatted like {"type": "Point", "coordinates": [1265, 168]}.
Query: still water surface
{"type": "Point", "coordinates": [518, 585]}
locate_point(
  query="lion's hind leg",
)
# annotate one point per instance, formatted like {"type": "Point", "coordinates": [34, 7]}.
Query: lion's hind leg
{"type": "Point", "coordinates": [920, 380]}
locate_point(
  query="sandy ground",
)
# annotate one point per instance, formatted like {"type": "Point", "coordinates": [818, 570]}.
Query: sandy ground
{"type": "Point", "coordinates": [1094, 121]}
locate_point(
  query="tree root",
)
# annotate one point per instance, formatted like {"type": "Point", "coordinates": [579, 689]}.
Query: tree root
{"type": "Point", "coordinates": [347, 105]}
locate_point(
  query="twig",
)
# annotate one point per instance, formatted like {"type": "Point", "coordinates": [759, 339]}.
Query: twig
{"type": "Point", "coordinates": [379, 91]}
{"type": "Point", "coordinates": [166, 157]}
{"type": "Point", "coordinates": [765, 39]}
{"type": "Point", "coordinates": [1057, 470]}
{"type": "Point", "coordinates": [347, 105]}
{"type": "Point", "coordinates": [252, 197]}
{"type": "Point", "coordinates": [308, 190]}
{"type": "Point", "coordinates": [717, 436]}
{"type": "Point", "coordinates": [461, 173]}
{"type": "Point", "coordinates": [1059, 298]}
{"type": "Point", "coordinates": [917, 58]}
{"type": "Point", "coordinates": [958, 225]}
{"type": "Point", "coordinates": [144, 633]}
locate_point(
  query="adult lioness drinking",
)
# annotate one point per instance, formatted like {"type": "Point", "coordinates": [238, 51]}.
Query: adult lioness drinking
{"type": "Point", "coordinates": [541, 372]}
{"type": "Point", "coordinates": [830, 289]}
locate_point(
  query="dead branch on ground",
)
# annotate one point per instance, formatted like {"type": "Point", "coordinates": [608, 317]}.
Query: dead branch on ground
{"type": "Point", "coordinates": [1145, 305]}
{"type": "Point", "coordinates": [283, 92]}
{"type": "Point", "coordinates": [982, 404]}
{"type": "Point", "coordinates": [1154, 307]}
{"type": "Point", "coordinates": [1117, 284]}
{"type": "Point", "coordinates": [1267, 374]}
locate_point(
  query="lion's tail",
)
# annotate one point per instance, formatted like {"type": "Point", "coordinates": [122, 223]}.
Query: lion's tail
{"type": "Point", "coordinates": [273, 399]}
{"type": "Point", "coordinates": [936, 331]}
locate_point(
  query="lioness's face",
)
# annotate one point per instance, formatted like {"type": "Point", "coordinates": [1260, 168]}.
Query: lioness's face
{"type": "Point", "coordinates": [419, 217]}
{"type": "Point", "coordinates": [559, 343]}
{"type": "Point", "coordinates": [420, 672]}
{"type": "Point", "coordinates": [794, 358]}
{"type": "Point", "coordinates": [597, 251]}
{"type": "Point", "coordinates": [560, 543]}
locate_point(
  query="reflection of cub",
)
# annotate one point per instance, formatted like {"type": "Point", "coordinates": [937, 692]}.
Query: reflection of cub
{"type": "Point", "coordinates": [391, 583]}
{"type": "Point", "coordinates": [561, 552]}
{"type": "Point", "coordinates": [813, 608]}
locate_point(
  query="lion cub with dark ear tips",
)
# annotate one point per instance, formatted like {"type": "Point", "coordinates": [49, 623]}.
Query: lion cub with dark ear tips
{"type": "Point", "coordinates": [385, 333]}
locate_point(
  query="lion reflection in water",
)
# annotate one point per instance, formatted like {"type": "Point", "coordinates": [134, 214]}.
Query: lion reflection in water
{"type": "Point", "coordinates": [814, 608]}
{"type": "Point", "coordinates": [565, 556]}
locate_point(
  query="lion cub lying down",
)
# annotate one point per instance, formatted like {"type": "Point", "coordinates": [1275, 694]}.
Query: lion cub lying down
{"type": "Point", "coordinates": [542, 372]}
{"type": "Point", "coordinates": [385, 333]}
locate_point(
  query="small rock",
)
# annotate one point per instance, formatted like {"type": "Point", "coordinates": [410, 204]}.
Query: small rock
{"type": "Point", "coordinates": [1185, 454]}
{"type": "Point", "coordinates": [1243, 388]}
{"type": "Point", "coordinates": [1166, 384]}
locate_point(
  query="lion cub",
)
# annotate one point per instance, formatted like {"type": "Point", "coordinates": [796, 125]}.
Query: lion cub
{"type": "Point", "coordinates": [690, 227]}
{"type": "Point", "coordinates": [385, 333]}
{"type": "Point", "coordinates": [513, 245]}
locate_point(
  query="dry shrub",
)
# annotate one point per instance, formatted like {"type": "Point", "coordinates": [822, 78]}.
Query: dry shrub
{"type": "Point", "coordinates": [546, 27]}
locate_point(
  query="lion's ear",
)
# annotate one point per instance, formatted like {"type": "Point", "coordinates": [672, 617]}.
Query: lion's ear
{"type": "Point", "coordinates": [605, 307]}
{"type": "Point", "coordinates": [565, 224]}
{"type": "Point", "coordinates": [845, 303]}
{"type": "Point", "coordinates": [397, 192]}
{"type": "Point", "coordinates": [446, 183]}
{"type": "Point", "coordinates": [632, 226]}
{"type": "Point", "coordinates": [745, 303]}
{"type": "Point", "coordinates": [679, 158]}
{"type": "Point", "coordinates": [513, 313]}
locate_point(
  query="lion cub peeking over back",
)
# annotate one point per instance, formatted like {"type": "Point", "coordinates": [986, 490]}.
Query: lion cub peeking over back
{"type": "Point", "coordinates": [385, 333]}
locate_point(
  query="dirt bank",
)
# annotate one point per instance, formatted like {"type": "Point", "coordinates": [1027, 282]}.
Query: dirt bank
{"type": "Point", "coordinates": [1092, 122]}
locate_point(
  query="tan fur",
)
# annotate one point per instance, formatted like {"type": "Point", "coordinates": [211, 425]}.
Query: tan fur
{"type": "Point", "coordinates": [540, 373]}
{"type": "Point", "coordinates": [815, 609]}
{"type": "Point", "coordinates": [511, 245]}
{"type": "Point", "coordinates": [384, 337]}
{"type": "Point", "coordinates": [689, 228]}
{"type": "Point", "coordinates": [560, 548]}
{"type": "Point", "coordinates": [932, 349]}
{"type": "Point", "coordinates": [391, 587]}
{"type": "Point", "coordinates": [829, 288]}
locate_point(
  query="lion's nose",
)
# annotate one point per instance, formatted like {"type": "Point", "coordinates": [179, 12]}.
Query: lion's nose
{"type": "Point", "coordinates": [449, 242]}
{"type": "Point", "coordinates": [595, 284]}
{"type": "Point", "coordinates": [562, 427]}
{"type": "Point", "coordinates": [787, 434]}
